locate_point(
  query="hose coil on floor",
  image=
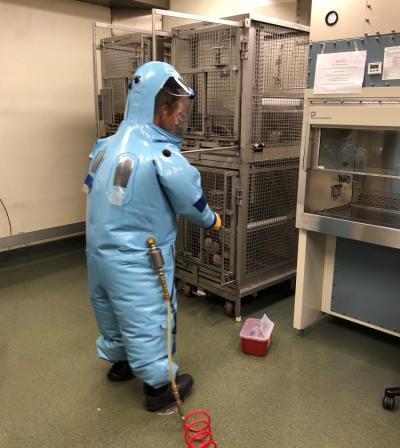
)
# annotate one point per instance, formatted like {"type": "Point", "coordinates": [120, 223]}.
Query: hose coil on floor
{"type": "Point", "coordinates": [197, 430]}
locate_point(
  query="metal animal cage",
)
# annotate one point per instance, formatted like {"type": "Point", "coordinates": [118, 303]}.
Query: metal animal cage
{"type": "Point", "coordinates": [250, 82]}
{"type": "Point", "coordinates": [271, 238]}
{"type": "Point", "coordinates": [120, 56]}
{"type": "Point", "coordinates": [209, 58]}
{"type": "Point", "coordinates": [213, 251]}
{"type": "Point", "coordinates": [244, 137]}
{"type": "Point", "coordinates": [281, 58]}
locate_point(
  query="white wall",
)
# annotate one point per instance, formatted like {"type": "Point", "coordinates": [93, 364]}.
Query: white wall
{"type": "Point", "coordinates": [136, 19]}
{"type": "Point", "coordinates": [282, 9]}
{"type": "Point", "coordinates": [47, 121]}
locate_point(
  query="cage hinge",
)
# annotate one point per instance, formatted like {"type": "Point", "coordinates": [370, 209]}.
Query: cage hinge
{"type": "Point", "coordinates": [244, 49]}
{"type": "Point", "coordinates": [239, 197]}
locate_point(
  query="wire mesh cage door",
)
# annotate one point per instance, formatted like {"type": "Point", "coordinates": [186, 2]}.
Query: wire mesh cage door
{"type": "Point", "coordinates": [208, 58]}
{"type": "Point", "coordinates": [215, 251]}
{"type": "Point", "coordinates": [119, 57]}
{"type": "Point", "coordinates": [280, 69]}
{"type": "Point", "coordinates": [271, 237]}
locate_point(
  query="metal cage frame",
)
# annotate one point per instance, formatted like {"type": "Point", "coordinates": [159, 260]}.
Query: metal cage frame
{"type": "Point", "coordinates": [264, 164]}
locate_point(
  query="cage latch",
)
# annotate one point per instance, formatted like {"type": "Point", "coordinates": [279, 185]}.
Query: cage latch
{"type": "Point", "coordinates": [239, 196]}
{"type": "Point", "coordinates": [258, 147]}
{"type": "Point", "coordinates": [244, 49]}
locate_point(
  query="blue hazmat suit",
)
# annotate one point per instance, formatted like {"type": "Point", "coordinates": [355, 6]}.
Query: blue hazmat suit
{"type": "Point", "coordinates": [138, 183]}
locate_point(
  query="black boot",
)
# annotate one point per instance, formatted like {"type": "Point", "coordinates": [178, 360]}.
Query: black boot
{"type": "Point", "coordinates": [156, 399]}
{"type": "Point", "coordinates": [120, 371]}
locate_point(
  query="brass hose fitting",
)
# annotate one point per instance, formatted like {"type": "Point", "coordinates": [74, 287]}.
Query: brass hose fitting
{"type": "Point", "coordinates": [158, 264]}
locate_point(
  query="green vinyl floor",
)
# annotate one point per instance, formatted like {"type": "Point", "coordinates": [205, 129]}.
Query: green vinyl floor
{"type": "Point", "coordinates": [322, 390]}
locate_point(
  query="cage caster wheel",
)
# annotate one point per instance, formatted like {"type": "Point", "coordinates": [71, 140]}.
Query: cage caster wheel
{"type": "Point", "coordinates": [229, 308]}
{"type": "Point", "coordinates": [187, 290]}
{"type": "Point", "coordinates": [388, 402]}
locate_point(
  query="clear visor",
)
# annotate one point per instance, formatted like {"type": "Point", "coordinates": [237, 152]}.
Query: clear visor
{"type": "Point", "coordinates": [180, 116]}
{"type": "Point", "coordinates": [177, 87]}
{"type": "Point", "coordinates": [176, 107]}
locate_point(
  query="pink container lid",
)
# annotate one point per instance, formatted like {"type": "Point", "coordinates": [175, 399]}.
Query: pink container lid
{"type": "Point", "coordinates": [257, 329]}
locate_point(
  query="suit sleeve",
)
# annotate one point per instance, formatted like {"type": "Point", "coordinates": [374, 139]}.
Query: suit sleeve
{"type": "Point", "coordinates": [181, 183]}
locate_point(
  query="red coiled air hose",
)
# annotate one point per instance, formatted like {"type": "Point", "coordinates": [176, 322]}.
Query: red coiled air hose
{"type": "Point", "coordinates": [197, 427]}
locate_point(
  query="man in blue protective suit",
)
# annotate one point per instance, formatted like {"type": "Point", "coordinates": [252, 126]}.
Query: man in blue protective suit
{"type": "Point", "coordinates": [138, 182]}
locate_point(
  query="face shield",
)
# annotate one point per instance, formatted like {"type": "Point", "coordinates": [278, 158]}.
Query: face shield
{"type": "Point", "coordinates": [173, 106]}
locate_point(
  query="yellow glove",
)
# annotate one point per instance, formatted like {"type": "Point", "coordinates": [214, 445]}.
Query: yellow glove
{"type": "Point", "coordinates": [218, 222]}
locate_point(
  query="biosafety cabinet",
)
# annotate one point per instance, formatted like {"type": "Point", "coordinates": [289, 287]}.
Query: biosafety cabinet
{"type": "Point", "coordinates": [348, 208]}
